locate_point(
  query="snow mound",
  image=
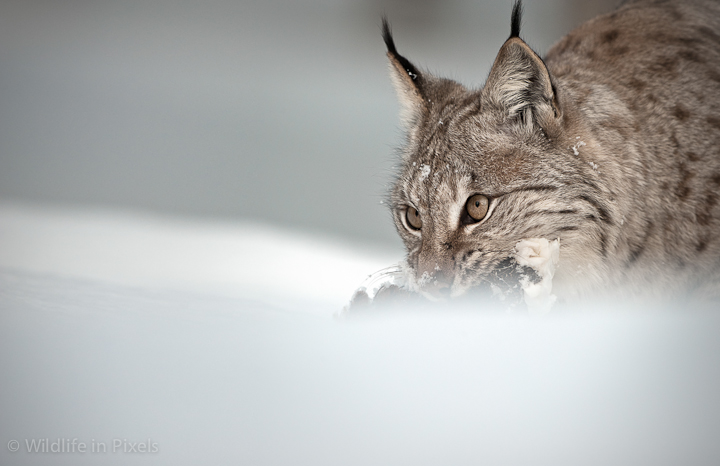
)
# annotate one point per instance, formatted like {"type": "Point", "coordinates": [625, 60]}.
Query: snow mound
{"type": "Point", "coordinates": [542, 256]}
{"type": "Point", "coordinates": [278, 266]}
{"type": "Point", "coordinates": [532, 268]}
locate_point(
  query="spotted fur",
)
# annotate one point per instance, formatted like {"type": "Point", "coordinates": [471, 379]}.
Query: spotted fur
{"type": "Point", "coordinates": [610, 144]}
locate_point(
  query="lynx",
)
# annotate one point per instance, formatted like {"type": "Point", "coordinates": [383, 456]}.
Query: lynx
{"type": "Point", "coordinates": [609, 148]}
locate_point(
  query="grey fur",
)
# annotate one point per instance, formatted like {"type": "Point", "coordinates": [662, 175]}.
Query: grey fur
{"type": "Point", "coordinates": [612, 145]}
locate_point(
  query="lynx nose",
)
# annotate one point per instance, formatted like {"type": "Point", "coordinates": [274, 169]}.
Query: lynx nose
{"type": "Point", "coordinates": [435, 273]}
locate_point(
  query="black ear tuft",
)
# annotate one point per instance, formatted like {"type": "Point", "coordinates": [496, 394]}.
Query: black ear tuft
{"type": "Point", "coordinates": [517, 12]}
{"type": "Point", "coordinates": [387, 36]}
{"type": "Point", "coordinates": [404, 62]}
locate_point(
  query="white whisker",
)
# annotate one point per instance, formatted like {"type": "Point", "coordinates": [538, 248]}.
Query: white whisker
{"type": "Point", "coordinates": [393, 275]}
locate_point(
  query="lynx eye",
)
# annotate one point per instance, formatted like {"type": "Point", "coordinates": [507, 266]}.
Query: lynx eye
{"type": "Point", "coordinates": [477, 207]}
{"type": "Point", "coordinates": [413, 218]}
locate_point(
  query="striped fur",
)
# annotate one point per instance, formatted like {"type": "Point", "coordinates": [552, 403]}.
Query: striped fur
{"type": "Point", "coordinates": [611, 144]}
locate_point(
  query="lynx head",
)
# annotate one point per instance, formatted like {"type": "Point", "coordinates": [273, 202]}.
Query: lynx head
{"type": "Point", "coordinates": [483, 169]}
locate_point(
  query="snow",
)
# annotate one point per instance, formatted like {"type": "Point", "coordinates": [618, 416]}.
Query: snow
{"type": "Point", "coordinates": [576, 147]}
{"type": "Point", "coordinates": [394, 275]}
{"type": "Point", "coordinates": [236, 259]}
{"type": "Point", "coordinates": [134, 328]}
{"type": "Point", "coordinates": [424, 171]}
{"type": "Point", "coordinates": [543, 257]}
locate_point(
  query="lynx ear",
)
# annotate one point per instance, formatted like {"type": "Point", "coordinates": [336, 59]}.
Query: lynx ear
{"type": "Point", "coordinates": [519, 81]}
{"type": "Point", "coordinates": [407, 80]}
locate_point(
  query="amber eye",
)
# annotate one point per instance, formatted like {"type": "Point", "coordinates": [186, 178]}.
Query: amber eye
{"type": "Point", "coordinates": [477, 207]}
{"type": "Point", "coordinates": [413, 218]}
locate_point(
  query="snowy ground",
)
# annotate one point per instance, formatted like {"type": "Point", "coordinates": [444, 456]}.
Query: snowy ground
{"type": "Point", "coordinates": [284, 268]}
{"type": "Point", "coordinates": [218, 344]}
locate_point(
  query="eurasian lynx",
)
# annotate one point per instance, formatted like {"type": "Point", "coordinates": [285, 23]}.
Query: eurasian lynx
{"type": "Point", "coordinates": [611, 145]}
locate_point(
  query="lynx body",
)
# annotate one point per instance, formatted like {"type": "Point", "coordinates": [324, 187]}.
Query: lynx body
{"type": "Point", "coordinates": [611, 145]}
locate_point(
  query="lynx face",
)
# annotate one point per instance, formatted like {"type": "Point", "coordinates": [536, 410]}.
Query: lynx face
{"type": "Point", "coordinates": [463, 203]}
